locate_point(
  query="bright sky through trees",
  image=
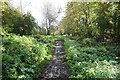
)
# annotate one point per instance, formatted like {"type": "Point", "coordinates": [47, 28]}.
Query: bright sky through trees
{"type": "Point", "coordinates": [35, 7]}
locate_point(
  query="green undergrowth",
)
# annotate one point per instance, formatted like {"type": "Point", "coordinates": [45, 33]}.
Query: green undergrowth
{"type": "Point", "coordinates": [89, 59]}
{"type": "Point", "coordinates": [24, 56]}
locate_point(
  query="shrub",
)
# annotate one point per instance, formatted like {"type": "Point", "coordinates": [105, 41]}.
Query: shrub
{"type": "Point", "coordinates": [89, 41]}
{"type": "Point", "coordinates": [23, 56]}
{"type": "Point", "coordinates": [90, 62]}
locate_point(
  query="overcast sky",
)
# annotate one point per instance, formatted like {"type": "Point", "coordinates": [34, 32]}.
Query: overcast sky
{"type": "Point", "coordinates": [35, 7]}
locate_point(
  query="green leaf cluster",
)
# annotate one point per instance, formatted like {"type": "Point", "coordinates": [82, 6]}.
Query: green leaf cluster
{"type": "Point", "coordinates": [23, 56]}
{"type": "Point", "coordinates": [91, 61]}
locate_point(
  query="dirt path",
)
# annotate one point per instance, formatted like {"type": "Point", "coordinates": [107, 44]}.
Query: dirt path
{"type": "Point", "coordinates": [56, 67]}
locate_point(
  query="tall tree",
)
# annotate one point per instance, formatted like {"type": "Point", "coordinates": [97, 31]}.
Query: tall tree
{"type": "Point", "coordinates": [14, 22]}
{"type": "Point", "coordinates": [100, 20]}
{"type": "Point", "coordinates": [50, 16]}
